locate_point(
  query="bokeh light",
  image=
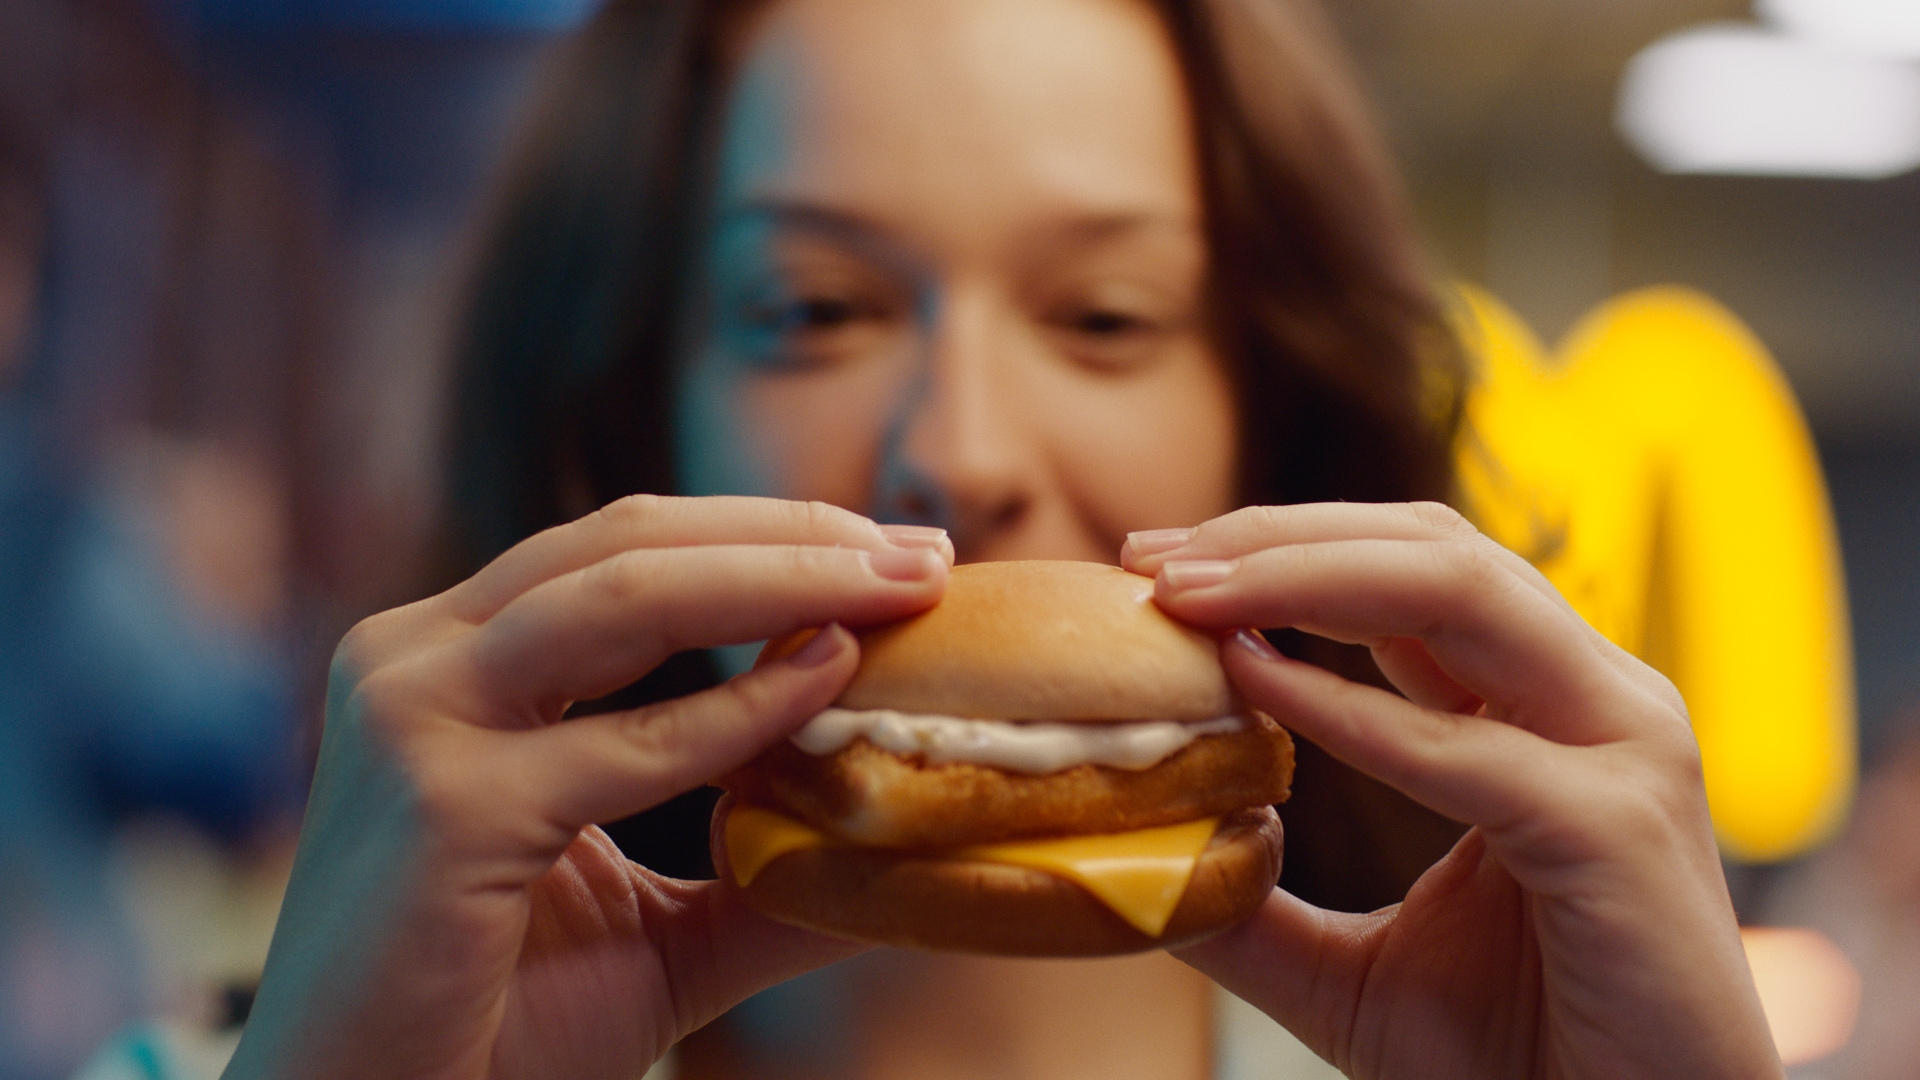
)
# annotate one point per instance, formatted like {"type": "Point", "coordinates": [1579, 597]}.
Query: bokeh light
{"type": "Point", "coordinates": [1740, 99]}
{"type": "Point", "coordinates": [1808, 987]}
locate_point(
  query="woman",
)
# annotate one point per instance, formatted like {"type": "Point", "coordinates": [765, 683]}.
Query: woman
{"type": "Point", "coordinates": [1056, 278]}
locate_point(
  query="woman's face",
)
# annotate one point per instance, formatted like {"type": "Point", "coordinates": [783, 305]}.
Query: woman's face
{"type": "Point", "coordinates": [955, 276]}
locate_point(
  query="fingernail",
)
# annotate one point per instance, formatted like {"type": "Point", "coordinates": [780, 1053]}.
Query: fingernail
{"type": "Point", "coordinates": [1156, 541]}
{"type": "Point", "coordinates": [1181, 575]}
{"type": "Point", "coordinates": [1254, 642]}
{"type": "Point", "coordinates": [918, 536]}
{"type": "Point", "coordinates": [823, 646]}
{"type": "Point", "coordinates": [904, 563]}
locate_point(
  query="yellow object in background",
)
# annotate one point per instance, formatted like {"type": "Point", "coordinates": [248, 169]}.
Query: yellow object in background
{"type": "Point", "coordinates": [1659, 472]}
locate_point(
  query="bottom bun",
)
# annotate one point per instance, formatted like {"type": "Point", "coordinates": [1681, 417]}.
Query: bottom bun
{"type": "Point", "coordinates": [904, 898]}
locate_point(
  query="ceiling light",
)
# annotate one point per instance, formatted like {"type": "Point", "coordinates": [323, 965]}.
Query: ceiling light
{"type": "Point", "coordinates": [1880, 27]}
{"type": "Point", "coordinates": [1737, 98]}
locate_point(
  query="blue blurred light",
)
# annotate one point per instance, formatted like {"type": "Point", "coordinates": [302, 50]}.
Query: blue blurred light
{"type": "Point", "coordinates": [421, 15]}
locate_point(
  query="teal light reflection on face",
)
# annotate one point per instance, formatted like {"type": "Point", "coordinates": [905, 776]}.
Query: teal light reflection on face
{"type": "Point", "coordinates": [712, 455]}
{"type": "Point", "coordinates": [810, 312]}
{"type": "Point", "coordinates": [801, 304]}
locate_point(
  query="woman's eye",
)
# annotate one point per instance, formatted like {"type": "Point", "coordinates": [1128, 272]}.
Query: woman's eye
{"type": "Point", "coordinates": [798, 332]}
{"type": "Point", "coordinates": [803, 313]}
{"type": "Point", "coordinates": [819, 313]}
{"type": "Point", "coordinates": [1109, 338]}
{"type": "Point", "coordinates": [1106, 323]}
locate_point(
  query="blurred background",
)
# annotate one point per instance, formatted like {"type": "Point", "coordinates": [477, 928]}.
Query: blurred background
{"type": "Point", "coordinates": [229, 231]}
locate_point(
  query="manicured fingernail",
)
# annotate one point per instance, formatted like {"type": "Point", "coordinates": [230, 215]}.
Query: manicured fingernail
{"type": "Point", "coordinates": [823, 646]}
{"type": "Point", "coordinates": [904, 563]}
{"type": "Point", "coordinates": [1254, 642]}
{"type": "Point", "coordinates": [919, 536]}
{"type": "Point", "coordinates": [1155, 541]}
{"type": "Point", "coordinates": [1184, 574]}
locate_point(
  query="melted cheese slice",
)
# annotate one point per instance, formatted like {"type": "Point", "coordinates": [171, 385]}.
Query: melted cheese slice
{"type": "Point", "coordinates": [1140, 875]}
{"type": "Point", "coordinates": [756, 837]}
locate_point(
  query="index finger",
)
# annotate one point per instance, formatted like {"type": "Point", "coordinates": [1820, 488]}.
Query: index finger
{"type": "Point", "coordinates": [1488, 631]}
{"type": "Point", "coordinates": [660, 521]}
{"type": "Point", "coordinates": [592, 631]}
{"type": "Point", "coordinates": [1252, 528]}
{"type": "Point", "coordinates": [1256, 528]}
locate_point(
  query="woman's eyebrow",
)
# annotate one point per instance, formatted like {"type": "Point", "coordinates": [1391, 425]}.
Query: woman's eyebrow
{"type": "Point", "coordinates": [1084, 236]}
{"type": "Point", "coordinates": [810, 217]}
{"type": "Point", "coordinates": [861, 235]}
{"type": "Point", "coordinates": [1092, 230]}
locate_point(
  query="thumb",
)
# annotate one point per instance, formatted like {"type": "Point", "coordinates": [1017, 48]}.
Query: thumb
{"type": "Point", "coordinates": [723, 951]}
{"type": "Point", "coordinates": [1301, 965]}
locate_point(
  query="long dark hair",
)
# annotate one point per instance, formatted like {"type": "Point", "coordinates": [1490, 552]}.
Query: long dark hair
{"type": "Point", "coordinates": [1348, 381]}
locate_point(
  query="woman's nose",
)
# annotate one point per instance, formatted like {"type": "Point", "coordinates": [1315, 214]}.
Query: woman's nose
{"type": "Point", "coordinates": [956, 454]}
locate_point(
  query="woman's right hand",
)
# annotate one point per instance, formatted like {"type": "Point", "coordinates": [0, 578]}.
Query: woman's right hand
{"type": "Point", "coordinates": [453, 912]}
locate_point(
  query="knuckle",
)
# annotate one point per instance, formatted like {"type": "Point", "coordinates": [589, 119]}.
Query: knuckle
{"type": "Point", "coordinates": [379, 699]}
{"type": "Point", "coordinates": [1647, 814]}
{"type": "Point", "coordinates": [1472, 567]}
{"type": "Point", "coordinates": [823, 520]}
{"type": "Point", "coordinates": [369, 647]}
{"type": "Point", "coordinates": [1428, 739]}
{"type": "Point", "coordinates": [642, 731]}
{"type": "Point", "coordinates": [658, 734]}
{"type": "Point", "coordinates": [1682, 762]}
{"type": "Point", "coordinates": [1651, 799]}
{"type": "Point", "coordinates": [630, 511]}
{"type": "Point", "coordinates": [1660, 708]}
{"type": "Point", "coordinates": [751, 694]}
{"type": "Point", "coordinates": [622, 578]}
{"type": "Point", "coordinates": [359, 649]}
{"type": "Point", "coordinates": [820, 516]}
{"type": "Point", "coordinates": [1265, 518]}
{"type": "Point", "coordinates": [1443, 519]}
{"type": "Point", "coordinates": [1669, 696]}
{"type": "Point", "coordinates": [1246, 526]}
{"type": "Point", "coordinates": [374, 636]}
{"type": "Point", "coordinates": [804, 561]}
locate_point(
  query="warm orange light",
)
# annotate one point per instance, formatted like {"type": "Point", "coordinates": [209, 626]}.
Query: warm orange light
{"type": "Point", "coordinates": [1808, 987]}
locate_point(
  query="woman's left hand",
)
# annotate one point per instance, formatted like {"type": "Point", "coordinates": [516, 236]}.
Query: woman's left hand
{"type": "Point", "coordinates": [1582, 927]}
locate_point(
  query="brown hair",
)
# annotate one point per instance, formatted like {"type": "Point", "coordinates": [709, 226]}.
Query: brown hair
{"type": "Point", "coordinates": [1348, 380]}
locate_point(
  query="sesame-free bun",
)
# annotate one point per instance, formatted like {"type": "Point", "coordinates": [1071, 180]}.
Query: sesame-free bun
{"type": "Point", "coordinates": [1018, 641]}
{"type": "Point", "coordinates": [1057, 641]}
{"type": "Point", "coordinates": [926, 901]}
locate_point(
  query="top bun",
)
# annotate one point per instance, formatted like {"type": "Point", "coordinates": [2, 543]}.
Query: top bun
{"type": "Point", "coordinates": [1057, 641]}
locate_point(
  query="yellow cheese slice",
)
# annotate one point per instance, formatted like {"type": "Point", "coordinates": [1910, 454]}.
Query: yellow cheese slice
{"type": "Point", "coordinates": [1140, 875]}
{"type": "Point", "coordinates": [756, 837]}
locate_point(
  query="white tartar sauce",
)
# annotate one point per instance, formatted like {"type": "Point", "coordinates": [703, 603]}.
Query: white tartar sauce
{"type": "Point", "coordinates": [1019, 747]}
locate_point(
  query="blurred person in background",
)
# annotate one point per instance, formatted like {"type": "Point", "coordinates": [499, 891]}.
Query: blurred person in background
{"type": "Point", "coordinates": [1025, 279]}
{"type": "Point", "coordinates": [151, 284]}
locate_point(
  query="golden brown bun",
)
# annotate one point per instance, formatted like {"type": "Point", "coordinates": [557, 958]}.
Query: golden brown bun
{"type": "Point", "coordinates": [870, 796]}
{"type": "Point", "coordinates": [1042, 641]}
{"type": "Point", "coordinates": [897, 898]}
